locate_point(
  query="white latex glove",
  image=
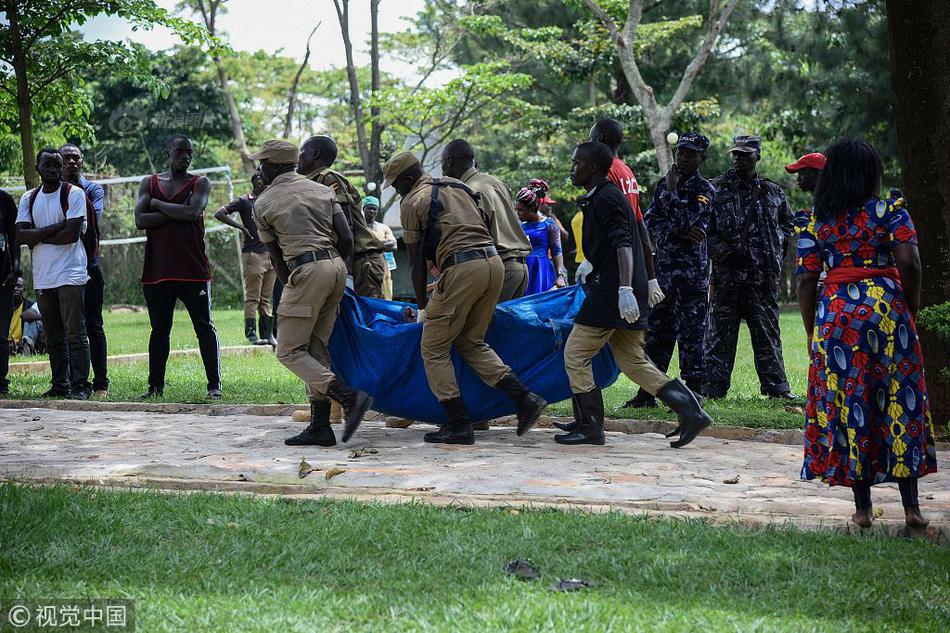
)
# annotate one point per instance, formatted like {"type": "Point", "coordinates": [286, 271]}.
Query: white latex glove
{"type": "Point", "coordinates": [583, 269]}
{"type": "Point", "coordinates": [654, 293]}
{"type": "Point", "coordinates": [349, 282]}
{"type": "Point", "coordinates": [629, 308]}
{"type": "Point", "coordinates": [421, 315]}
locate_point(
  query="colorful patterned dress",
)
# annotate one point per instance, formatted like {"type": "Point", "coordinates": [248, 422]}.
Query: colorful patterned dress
{"type": "Point", "coordinates": [867, 416]}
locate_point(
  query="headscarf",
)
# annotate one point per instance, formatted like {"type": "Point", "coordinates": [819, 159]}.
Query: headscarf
{"type": "Point", "coordinates": [535, 193]}
{"type": "Point", "coordinates": [371, 201]}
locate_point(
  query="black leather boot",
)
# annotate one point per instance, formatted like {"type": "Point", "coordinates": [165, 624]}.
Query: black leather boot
{"type": "Point", "coordinates": [682, 401]}
{"type": "Point", "coordinates": [318, 433]}
{"type": "Point", "coordinates": [643, 400]}
{"type": "Point", "coordinates": [458, 429]}
{"type": "Point", "coordinates": [590, 428]}
{"type": "Point", "coordinates": [266, 325]}
{"type": "Point", "coordinates": [529, 406]}
{"type": "Point", "coordinates": [355, 405]}
{"type": "Point", "coordinates": [250, 331]}
{"type": "Point", "coordinates": [571, 426]}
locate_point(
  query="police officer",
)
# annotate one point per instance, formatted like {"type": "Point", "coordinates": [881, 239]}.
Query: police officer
{"type": "Point", "coordinates": [749, 234]}
{"type": "Point", "coordinates": [368, 265]}
{"type": "Point", "coordinates": [308, 237]}
{"type": "Point", "coordinates": [443, 224]}
{"type": "Point", "coordinates": [678, 218]}
{"type": "Point", "coordinates": [617, 287]}
{"type": "Point", "coordinates": [458, 161]}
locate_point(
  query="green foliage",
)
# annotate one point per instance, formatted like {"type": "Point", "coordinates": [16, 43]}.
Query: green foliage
{"type": "Point", "coordinates": [936, 319]}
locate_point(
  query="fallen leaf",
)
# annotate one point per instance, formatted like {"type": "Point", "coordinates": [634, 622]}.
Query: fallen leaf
{"type": "Point", "coordinates": [878, 513]}
{"type": "Point", "coordinates": [571, 584]}
{"type": "Point", "coordinates": [334, 471]}
{"type": "Point", "coordinates": [798, 410]}
{"type": "Point", "coordinates": [423, 488]}
{"type": "Point", "coordinates": [512, 511]}
{"type": "Point", "coordinates": [363, 450]}
{"type": "Point", "coordinates": [734, 480]}
{"type": "Point", "coordinates": [210, 522]}
{"type": "Point", "coordinates": [523, 569]}
{"type": "Point", "coordinates": [232, 524]}
{"type": "Point", "coordinates": [305, 468]}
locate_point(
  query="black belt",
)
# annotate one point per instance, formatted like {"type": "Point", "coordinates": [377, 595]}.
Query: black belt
{"type": "Point", "coordinates": [312, 256]}
{"type": "Point", "coordinates": [516, 258]}
{"type": "Point", "coordinates": [467, 256]}
{"type": "Point", "coordinates": [366, 254]}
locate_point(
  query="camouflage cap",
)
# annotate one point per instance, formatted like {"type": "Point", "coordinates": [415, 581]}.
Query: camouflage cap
{"type": "Point", "coordinates": [277, 151]}
{"type": "Point", "coordinates": [693, 140]}
{"type": "Point", "coordinates": [747, 144]}
{"type": "Point", "coordinates": [396, 165]}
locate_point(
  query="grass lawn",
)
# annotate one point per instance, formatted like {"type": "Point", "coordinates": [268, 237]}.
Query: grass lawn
{"type": "Point", "coordinates": [205, 562]}
{"type": "Point", "coordinates": [261, 379]}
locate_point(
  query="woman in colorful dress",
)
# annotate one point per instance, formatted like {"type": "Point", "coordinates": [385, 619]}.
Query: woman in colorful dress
{"type": "Point", "coordinates": [545, 238]}
{"type": "Point", "coordinates": [867, 419]}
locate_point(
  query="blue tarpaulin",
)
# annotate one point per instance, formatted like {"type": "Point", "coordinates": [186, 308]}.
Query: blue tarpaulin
{"type": "Point", "coordinates": [375, 350]}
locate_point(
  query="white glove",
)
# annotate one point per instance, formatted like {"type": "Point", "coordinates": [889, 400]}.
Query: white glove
{"type": "Point", "coordinates": [349, 282]}
{"type": "Point", "coordinates": [420, 315]}
{"type": "Point", "coordinates": [629, 308]}
{"type": "Point", "coordinates": [654, 293]}
{"type": "Point", "coordinates": [583, 270]}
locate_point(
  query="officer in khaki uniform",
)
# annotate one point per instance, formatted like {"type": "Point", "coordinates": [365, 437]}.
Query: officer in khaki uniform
{"type": "Point", "coordinates": [442, 223]}
{"type": "Point", "coordinates": [458, 161]}
{"type": "Point", "coordinates": [368, 265]}
{"type": "Point", "coordinates": [308, 238]}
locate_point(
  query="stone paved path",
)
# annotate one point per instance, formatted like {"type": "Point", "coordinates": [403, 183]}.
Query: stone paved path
{"type": "Point", "coordinates": [633, 473]}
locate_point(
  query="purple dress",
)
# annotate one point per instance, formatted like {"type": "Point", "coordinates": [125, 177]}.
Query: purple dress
{"type": "Point", "coordinates": [541, 274]}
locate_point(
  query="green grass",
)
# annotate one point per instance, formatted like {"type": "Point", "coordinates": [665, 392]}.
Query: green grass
{"type": "Point", "coordinates": [205, 562]}
{"type": "Point", "coordinates": [261, 379]}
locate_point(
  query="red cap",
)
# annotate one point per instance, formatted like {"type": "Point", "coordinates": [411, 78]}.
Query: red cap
{"type": "Point", "coordinates": [547, 200]}
{"type": "Point", "coordinates": [815, 160]}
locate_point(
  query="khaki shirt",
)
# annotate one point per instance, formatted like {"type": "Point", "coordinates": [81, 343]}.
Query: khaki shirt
{"type": "Point", "coordinates": [297, 213]}
{"type": "Point", "coordinates": [503, 222]}
{"type": "Point", "coordinates": [349, 198]}
{"type": "Point", "coordinates": [461, 224]}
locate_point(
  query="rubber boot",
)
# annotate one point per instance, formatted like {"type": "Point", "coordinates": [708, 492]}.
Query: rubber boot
{"type": "Point", "coordinates": [571, 426]}
{"type": "Point", "coordinates": [683, 403]}
{"type": "Point", "coordinates": [250, 331]}
{"type": "Point", "coordinates": [590, 429]}
{"type": "Point", "coordinates": [643, 400]}
{"type": "Point", "coordinates": [266, 325]}
{"type": "Point", "coordinates": [458, 428]}
{"type": "Point", "coordinates": [355, 405]}
{"type": "Point", "coordinates": [318, 433]}
{"type": "Point", "coordinates": [529, 406]}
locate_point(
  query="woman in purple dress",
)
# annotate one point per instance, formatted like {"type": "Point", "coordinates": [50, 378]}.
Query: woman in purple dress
{"type": "Point", "coordinates": [545, 238]}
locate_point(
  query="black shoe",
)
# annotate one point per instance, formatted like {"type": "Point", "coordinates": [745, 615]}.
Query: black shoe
{"type": "Point", "coordinates": [787, 396]}
{"type": "Point", "coordinates": [355, 405]}
{"type": "Point", "coordinates": [266, 325]}
{"type": "Point", "coordinates": [214, 394]}
{"type": "Point", "coordinates": [529, 406]}
{"type": "Point", "coordinates": [79, 394]}
{"type": "Point", "coordinates": [55, 393]}
{"type": "Point", "coordinates": [681, 400]}
{"type": "Point", "coordinates": [643, 400]}
{"type": "Point", "coordinates": [250, 331]}
{"type": "Point", "coordinates": [458, 428]}
{"type": "Point", "coordinates": [570, 427]}
{"type": "Point", "coordinates": [153, 392]}
{"type": "Point", "coordinates": [590, 426]}
{"type": "Point", "coordinates": [319, 432]}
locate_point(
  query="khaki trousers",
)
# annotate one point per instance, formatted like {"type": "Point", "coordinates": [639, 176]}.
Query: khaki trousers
{"type": "Point", "coordinates": [368, 274]}
{"type": "Point", "coordinates": [627, 346]}
{"type": "Point", "coordinates": [259, 278]}
{"type": "Point", "coordinates": [307, 310]}
{"type": "Point", "coordinates": [459, 312]}
{"type": "Point", "coordinates": [516, 280]}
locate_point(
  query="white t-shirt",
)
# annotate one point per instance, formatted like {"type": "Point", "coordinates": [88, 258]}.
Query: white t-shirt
{"type": "Point", "coordinates": [56, 265]}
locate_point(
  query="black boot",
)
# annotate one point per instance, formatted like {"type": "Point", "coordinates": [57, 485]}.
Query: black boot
{"type": "Point", "coordinates": [318, 433]}
{"type": "Point", "coordinates": [643, 400]}
{"type": "Point", "coordinates": [458, 429]}
{"type": "Point", "coordinates": [590, 427]}
{"type": "Point", "coordinates": [696, 386]}
{"type": "Point", "coordinates": [266, 324]}
{"type": "Point", "coordinates": [681, 400]}
{"type": "Point", "coordinates": [250, 331]}
{"type": "Point", "coordinates": [528, 405]}
{"type": "Point", "coordinates": [355, 405]}
{"type": "Point", "coordinates": [571, 426]}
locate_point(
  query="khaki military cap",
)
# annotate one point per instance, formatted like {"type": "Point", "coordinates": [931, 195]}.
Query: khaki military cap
{"type": "Point", "coordinates": [396, 165]}
{"type": "Point", "coordinates": [277, 151]}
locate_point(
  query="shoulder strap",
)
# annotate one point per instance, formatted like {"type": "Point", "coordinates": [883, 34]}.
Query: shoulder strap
{"type": "Point", "coordinates": [64, 190]}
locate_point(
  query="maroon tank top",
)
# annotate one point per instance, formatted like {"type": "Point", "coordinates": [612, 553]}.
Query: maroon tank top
{"type": "Point", "coordinates": [175, 251]}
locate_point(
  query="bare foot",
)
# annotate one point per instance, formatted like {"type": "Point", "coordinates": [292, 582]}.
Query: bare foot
{"type": "Point", "coordinates": [914, 519]}
{"type": "Point", "coordinates": [862, 518]}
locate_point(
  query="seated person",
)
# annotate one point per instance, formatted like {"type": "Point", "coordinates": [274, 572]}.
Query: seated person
{"type": "Point", "coordinates": [26, 336]}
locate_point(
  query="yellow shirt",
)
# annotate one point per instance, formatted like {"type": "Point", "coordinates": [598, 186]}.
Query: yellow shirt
{"type": "Point", "coordinates": [577, 228]}
{"type": "Point", "coordinates": [16, 324]}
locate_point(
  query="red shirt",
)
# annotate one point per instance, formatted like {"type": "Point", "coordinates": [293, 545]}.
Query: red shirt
{"type": "Point", "coordinates": [175, 251]}
{"type": "Point", "coordinates": [623, 177]}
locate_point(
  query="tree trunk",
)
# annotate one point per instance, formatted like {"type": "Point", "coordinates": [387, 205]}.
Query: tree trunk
{"type": "Point", "coordinates": [356, 103]}
{"type": "Point", "coordinates": [917, 37]}
{"type": "Point", "coordinates": [237, 128]}
{"type": "Point", "coordinates": [374, 169]}
{"type": "Point", "coordinates": [292, 93]}
{"type": "Point", "coordinates": [23, 98]}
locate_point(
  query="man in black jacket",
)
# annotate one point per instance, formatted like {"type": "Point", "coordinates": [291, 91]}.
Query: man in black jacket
{"type": "Point", "coordinates": [617, 287]}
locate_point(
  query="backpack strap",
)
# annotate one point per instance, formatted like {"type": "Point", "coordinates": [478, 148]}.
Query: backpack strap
{"type": "Point", "coordinates": [64, 197]}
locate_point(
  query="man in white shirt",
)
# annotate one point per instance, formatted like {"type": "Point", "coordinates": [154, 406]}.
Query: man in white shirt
{"type": "Point", "coordinates": [50, 221]}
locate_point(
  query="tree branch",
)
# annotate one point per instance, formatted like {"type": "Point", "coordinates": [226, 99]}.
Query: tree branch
{"type": "Point", "coordinates": [292, 94]}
